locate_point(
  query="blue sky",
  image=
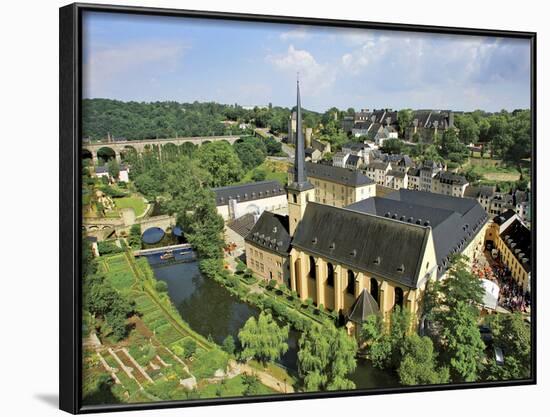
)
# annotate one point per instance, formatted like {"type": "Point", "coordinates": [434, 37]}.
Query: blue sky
{"type": "Point", "coordinates": [150, 58]}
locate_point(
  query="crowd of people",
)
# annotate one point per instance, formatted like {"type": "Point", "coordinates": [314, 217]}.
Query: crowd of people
{"type": "Point", "coordinates": [512, 297]}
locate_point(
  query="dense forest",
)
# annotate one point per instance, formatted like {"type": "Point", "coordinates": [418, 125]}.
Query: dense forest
{"type": "Point", "coordinates": [133, 120]}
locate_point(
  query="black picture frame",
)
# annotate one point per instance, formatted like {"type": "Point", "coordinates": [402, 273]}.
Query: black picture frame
{"type": "Point", "coordinates": [70, 93]}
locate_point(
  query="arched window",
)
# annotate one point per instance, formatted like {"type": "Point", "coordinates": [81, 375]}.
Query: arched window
{"type": "Point", "coordinates": [330, 275]}
{"type": "Point", "coordinates": [398, 295]}
{"type": "Point", "coordinates": [374, 289]}
{"type": "Point", "coordinates": [351, 282]}
{"type": "Point", "coordinates": [312, 267]}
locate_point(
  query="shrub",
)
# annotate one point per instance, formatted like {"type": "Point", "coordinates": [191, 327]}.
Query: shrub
{"type": "Point", "coordinates": [208, 362]}
{"type": "Point", "coordinates": [272, 284]}
{"type": "Point", "coordinates": [107, 247]}
{"type": "Point", "coordinates": [161, 286]}
{"type": "Point", "coordinates": [189, 346]}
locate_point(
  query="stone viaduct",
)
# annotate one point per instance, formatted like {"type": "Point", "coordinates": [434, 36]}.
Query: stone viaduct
{"type": "Point", "coordinates": [139, 146]}
{"type": "Point", "coordinates": [102, 228]}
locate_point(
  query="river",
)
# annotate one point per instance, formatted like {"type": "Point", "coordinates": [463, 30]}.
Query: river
{"type": "Point", "coordinates": [212, 311]}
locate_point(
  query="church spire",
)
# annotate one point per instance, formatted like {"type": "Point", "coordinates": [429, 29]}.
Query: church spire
{"type": "Point", "coordinates": [299, 171]}
{"type": "Point", "coordinates": [299, 179]}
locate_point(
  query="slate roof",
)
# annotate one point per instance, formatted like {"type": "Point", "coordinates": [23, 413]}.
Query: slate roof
{"type": "Point", "coordinates": [337, 175]}
{"type": "Point", "coordinates": [378, 165]}
{"type": "Point", "coordinates": [396, 173]}
{"type": "Point", "coordinates": [242, 225]}
{"type": "Point", "coordinates": [248, 192]}
{"type": "Point", "coordinates": [454, 221]}
{"type": "Point", "coordinates": [370, 243]}
{"type": "Point", "coordinates": [504, 217]}
{"type": "Point", "coordinates": [405, 160]}
{"type": "Point", "coordinates": [271, 232]}
{"type": "Point", "coordinates": [353, 160]}
{"type": "Point", "coordinates": [364, 306]}
{"type": "Point", "coordinates": [517, 238]}
{"type": "Point", "coordinates": [447, 177]}
{"type": "Point", "coordinates": [475, 191]}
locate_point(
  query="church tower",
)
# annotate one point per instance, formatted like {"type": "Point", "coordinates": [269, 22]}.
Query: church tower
{"type": "Point", "coordinates": [299, 190]}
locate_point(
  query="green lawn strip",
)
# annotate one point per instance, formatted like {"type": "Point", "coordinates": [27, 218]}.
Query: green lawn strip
{"type": "Point", "coordinates": [134, 202]}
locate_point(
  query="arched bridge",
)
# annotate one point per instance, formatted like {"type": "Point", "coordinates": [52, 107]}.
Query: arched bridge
{"type": "Point", "coordinates": [105, 227]}
{"type": "Point", "coordinates": [140, 145]}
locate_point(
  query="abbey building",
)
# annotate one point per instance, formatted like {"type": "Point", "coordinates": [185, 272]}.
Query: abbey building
{"type": "Point", "coordinates": [354, 252]}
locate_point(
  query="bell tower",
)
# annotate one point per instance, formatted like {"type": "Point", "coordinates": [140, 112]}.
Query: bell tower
{"type": "Point", "coordinates": [299, 190]}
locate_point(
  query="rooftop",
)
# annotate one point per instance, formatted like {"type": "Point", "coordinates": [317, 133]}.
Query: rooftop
{"type": "Point", "coordinates": [370, 243]}
{"type": "Point", "coordinates": [248, 192]}
{"type": "Point", "coordinates": [454, 221]}
{"type": "Point", "coordinates": [271, 233]}
{"type": "Point", "coordinates": [337, 175]}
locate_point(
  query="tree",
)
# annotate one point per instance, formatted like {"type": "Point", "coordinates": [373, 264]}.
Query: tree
{"type": "Point", "coordinates": [228, 345]}
{"type": "Point", "coordinates": [258, 175]}
{"type": "Point", "coordinates": [392, 146]}
{"type": "Point", "coordinates": [113, 168]}
{"type": "Point", "coordinates": [134, 238]}
{"type": "Point", "coordinates": [222, 162]}
{"type": "Point", "coordinates": [513, 336]}
{"type": "Point", "coordinates": [273, 146]}
{"type": "Point", "coordinates": [263, 339]}
{"type": "Point", "coordinates": [325, 357]}
{"type": "Point", "coordinates": [463, 346]}
{"type": "Point", "coordinates": [384, 343]}
{"type": "Point", "coordinates": [468, 129]}
{"type": "Point", "coordinates": [404, 119]}
{"type": "Point", "coordinates": [418, 363]}
{"type": "Point", "coordinates": [460, 286]}
{"type": "Point", "coordinates": [451, 148]}
{"type": "Point", "coordinates": [252, 385]}
{"type": "Point", "coordinates": [189, 347]}
{"type": "Point", "coordinates": [251, 151]}
{"type": "Point", "coordinates": [161, 286]}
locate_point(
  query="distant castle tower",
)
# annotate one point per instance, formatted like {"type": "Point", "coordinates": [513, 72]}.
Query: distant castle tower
{"type": "Point", "coordinates": [299, 190]}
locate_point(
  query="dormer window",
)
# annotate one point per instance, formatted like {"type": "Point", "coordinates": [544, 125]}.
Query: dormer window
{"type": "Point", "coordinates": [376, 260]}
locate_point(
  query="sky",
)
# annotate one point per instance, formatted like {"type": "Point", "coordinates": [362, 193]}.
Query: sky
{"type": "Point", "coordinates": [154, 58]}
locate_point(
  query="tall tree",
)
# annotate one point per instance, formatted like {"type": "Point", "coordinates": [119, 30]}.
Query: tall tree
{"type": "Point", "coordinates": [468, 129]}
{"type": "Point", "coordinates": [404, 119]}
{"type": "Point", "coordinates": [220, 159]}
{"type": "Point", "coordinates": [418, 363]}
{"type": "Point", "coordinates": [263, 339]}
{"type": "Point", "coordinates": [325, 357]}
{"type": "Point", "coordinates": [513, 336]}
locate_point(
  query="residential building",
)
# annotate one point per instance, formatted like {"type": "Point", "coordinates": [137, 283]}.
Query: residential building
{"type": "Point", "coordinates": [512, 239]}
{"type": "Point", "coordinates": [267, 248]}
{"type": "Point", "coordinates": [338, 186]}
{"type": "Point", "coordinates": [426, 124]}
{"type": "Point", "coordinates": [448, 183]}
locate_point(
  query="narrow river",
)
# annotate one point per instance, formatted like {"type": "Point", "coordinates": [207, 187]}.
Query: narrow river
{"type": "Point", "coordinates": [212, 311]}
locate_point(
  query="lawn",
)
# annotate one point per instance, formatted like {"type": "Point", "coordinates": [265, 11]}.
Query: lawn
{"type": "Point", "coordinates": [233, 387]}
{"type": "Point", "coordinates": [134, 202]}
{"type": "Point", "coordinates": [494, 169]}
{"type": "Point", "coordinates": [274, 170]}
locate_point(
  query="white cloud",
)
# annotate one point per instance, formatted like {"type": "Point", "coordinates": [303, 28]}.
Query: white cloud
{"type": "Point", "coordinates": [301, 32]}
{"type": "Point", "coordinates": [105, 66]}
{"type": "Point", "coordinates": [314, 76]}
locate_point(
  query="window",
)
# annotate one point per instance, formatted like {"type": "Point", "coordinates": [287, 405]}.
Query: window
{"type": "Point", "coordinates": [350, 289]}
{"type": "Point", "coordinates": [374, 289]}
{"type": "Point", "coordinates": [330, 275]}
{"type": "Point", "coordinates": [398, 296]}
{"type": "Point", "coordinates": [294, 198]}
{"type": "Point", "coordinates": [312, 267]}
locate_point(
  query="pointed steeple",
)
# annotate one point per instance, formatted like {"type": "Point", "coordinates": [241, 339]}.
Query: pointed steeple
{"type": "Point", "coordinates": [300, 181]}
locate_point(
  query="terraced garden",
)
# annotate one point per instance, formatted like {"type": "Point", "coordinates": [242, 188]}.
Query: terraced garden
{"type": "Point", "coordinates": [151, 363]}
